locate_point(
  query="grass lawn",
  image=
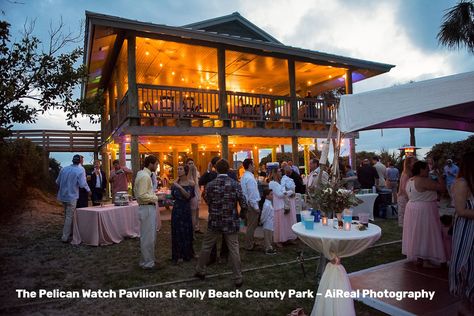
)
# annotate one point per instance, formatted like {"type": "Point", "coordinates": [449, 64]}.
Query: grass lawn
{"type": "Point", "coordinates": [33, 258]}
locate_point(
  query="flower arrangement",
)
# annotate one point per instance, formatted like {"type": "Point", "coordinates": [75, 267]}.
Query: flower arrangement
{"type": "Point", "coordinates": [332, 198]}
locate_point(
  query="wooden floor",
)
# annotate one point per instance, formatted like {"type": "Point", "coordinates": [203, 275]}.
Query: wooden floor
{"type": "Point", "coordinates": [406, 276]}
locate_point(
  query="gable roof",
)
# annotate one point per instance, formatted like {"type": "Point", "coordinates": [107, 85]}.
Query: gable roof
{"type": "Point", "coordinates": [233, 24]}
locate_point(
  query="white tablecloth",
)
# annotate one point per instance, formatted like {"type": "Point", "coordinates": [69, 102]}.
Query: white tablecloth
{"type": "Point", "coordinates": [367, 206]}
{"type": "Point", "coordinates": [335, 244]}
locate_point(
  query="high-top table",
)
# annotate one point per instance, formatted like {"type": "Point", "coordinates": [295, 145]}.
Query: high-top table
{"type": "Point", "coordinates": [104, 225]}
{"type": "Point", "coordinates": [335, 244]}
{"type": "Point", "coordinates": [367, 206]}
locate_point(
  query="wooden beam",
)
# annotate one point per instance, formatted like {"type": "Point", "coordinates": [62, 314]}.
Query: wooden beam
{"type": "Point", "coordinates": [135, 156]}
{"type": "Point", "coordinates": [294, 150]}
{"type": "Point", "coordinates": [195, 151]}
{"type": "Point", "coordinates": [122, 153]}
{"type": "Point", "coordinates": [132, 81]}
{"type": "Point", "coordinates": [225, 147]}
{"type": "Point", "coordinates": [274, 153]}
{"type": "Point", "coordinates": [292, 81]}
{"type": "Point", "coordinates": [106, 168]}
{"type": "Point", "coordinates": [175, 163]}
{"type": "Point", "coordinates": [306, 159]}
{"type": "Point", "coordinates": [202, 131]}
{"type": "Point", "coordinates": [161, 160]}
{"type": "Point", "coordinates": [352, 144]}
{"type": "Point", "coordinates": [256, 160]}
{"type": "Point", "coordinates": [223, 115]}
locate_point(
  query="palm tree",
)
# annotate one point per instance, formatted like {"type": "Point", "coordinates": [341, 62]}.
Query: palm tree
{"type": "Point", "coordinates": [457, 29]}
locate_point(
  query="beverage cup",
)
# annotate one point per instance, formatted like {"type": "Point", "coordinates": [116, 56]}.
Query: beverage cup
{"type": "Point", "coordinates": [364, 219]}
{"type": "Point", "coordinates": [309, 222]}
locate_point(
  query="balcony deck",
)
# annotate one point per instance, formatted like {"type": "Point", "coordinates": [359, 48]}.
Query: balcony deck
{"type": "Point", "coordinates": [177, 107]}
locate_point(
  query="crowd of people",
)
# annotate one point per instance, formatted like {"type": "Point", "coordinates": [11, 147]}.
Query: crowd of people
{"type": "Point", "coordinates": [427, 240]}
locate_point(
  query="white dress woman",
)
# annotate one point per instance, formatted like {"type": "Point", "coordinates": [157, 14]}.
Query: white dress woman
{"type": "Point", "coordinates": [282, 222]}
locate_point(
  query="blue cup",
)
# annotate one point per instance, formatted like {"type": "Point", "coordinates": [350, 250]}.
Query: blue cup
{"type": "Point", "coordinates": [308, 222]}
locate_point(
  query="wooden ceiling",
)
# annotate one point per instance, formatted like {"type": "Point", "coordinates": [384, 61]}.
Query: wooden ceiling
{"type": "Point", "coordinates": [176, 64]}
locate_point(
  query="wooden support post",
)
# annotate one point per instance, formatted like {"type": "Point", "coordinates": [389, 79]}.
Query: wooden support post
{"type": "Point", "coordinates": [106, 168]}
{"type": "Point", "coordinates": [223, 111]}
{"type": "Point", "coordinates": [294, 150]}
{"type": "Point", "coordinates": [132, 81]}
{"type": "Point", "coordinates": [195, 155]}
{"type": "Point", "coordinates": [306, 159]}
{"type": "Point", "coordinates": [135, 156]}
{"type": "Point", "coordinates": [225, 147]}
{"type": "Point", "coordinates": [175, 163]}
{"type": "Point", "coordinates": [292, 81]}
{"type": "Point", "coordinates": [161, 159]}
{"type": "Point", "coordinates": [123, 153]}
{"type": "Point", "coordinates": [256, 160]}
{"type": "Point", "coordinates": [274, 154]}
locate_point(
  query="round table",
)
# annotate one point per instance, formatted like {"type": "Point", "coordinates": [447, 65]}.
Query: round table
{"type": "Point", "coordinates": [335, 244]}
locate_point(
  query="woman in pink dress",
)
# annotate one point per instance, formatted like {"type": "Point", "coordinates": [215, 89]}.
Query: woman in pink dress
{"type": "Point", "coordinates": [402, 196]}
{"type": "Point", "coordinates": [422, 234]}
{"type": "Point", "coordinates": [282, 231]}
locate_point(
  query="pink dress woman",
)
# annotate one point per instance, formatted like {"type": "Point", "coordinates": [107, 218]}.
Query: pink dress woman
{"type": "Point", "coordinates": [282, 231]}
{"type": "Point", "coordinates": [402, 198]}
{"type": "Point", "coordinates": [422, 235]}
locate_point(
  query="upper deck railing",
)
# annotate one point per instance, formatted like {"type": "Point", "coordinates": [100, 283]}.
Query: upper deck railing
{"type": "Point", "coordinates": [157, 103]}
{"type": "Point", "coordinates": [61, 141]}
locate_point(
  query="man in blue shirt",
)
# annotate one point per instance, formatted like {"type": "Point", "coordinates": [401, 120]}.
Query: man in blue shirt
{"type": "Point", "coordinates": [450, 172]}
{"type": "Point", "coordinates": [70, 179]}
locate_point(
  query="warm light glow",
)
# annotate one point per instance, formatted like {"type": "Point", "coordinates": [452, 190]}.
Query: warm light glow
{"type": "Point", "coordinates": [309, 83]}
{"type": "Point", "coordinates": [180, 157]}
{"type": "Point", "coordinates": [147, 53]}
{"type": "Point", "coordinates": [171, 147]}
{"type": "Point", "coordinates": [271, 90]}
{"type": "Point", "coordinates": [161, 65]}
{"type": "Point", "coordinates": [255, 147]}
{"type": "Point", "coordinates": [253, 91]}
{"type": "Point", "coordinates": [182, 79]}
{"type": "Point", "coordinates": [166, 157]}
{"type": "Point", "coordinates": [173, 73]}
{"type": "Point", "coordinates": [233, 145]}
{"type": "Point", "coordinates": [330, 76]}
{"type": "Point", "coordinates": [203, 154]}
{"type": "Point", "coordinates": [149, 143]}
{"type": "Point", "coordinates": [409, 150]}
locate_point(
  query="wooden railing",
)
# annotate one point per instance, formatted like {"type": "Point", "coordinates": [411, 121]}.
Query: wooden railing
{"type": "Point", "coordinates": [161, 101]}
{"type": "Point", "coordinates": [252, 107]}
{"type": "Point", "coordinates": [156, 102]}
{"type": "Point", "coordinates": [61, 141]}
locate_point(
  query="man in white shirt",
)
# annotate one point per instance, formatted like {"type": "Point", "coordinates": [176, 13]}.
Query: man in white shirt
{"type": "Point", "coordinates": [381, 170]}
{"type": "Point", "coordinates": [252, 196]}
{"type": "Point", "coordinates": [313, 175]}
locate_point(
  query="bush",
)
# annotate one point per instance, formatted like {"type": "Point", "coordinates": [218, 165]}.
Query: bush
{"type": "Point", "coordinates": [22, 167]}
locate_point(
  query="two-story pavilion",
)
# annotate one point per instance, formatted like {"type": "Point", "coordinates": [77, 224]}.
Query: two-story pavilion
{"type": "Point", "coordinates": [214, 87]}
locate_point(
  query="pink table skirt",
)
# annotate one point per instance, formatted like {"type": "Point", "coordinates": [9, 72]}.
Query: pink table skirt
{"type": "Point", "coordinates": [105, 225]}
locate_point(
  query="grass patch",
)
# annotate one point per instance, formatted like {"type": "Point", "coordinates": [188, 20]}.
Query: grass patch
{"type": "Point", "coordinates": [37, 259]}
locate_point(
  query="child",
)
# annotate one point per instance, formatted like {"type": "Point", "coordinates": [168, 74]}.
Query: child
{"type": "Point", "coordinates": [267, 221]}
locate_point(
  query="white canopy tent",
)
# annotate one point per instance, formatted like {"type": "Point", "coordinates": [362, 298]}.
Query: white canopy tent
{"type": "Point", "coordinates": [446, 103]}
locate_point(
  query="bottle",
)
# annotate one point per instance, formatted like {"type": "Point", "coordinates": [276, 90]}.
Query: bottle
{"type": "Point", "coordinates": [374, 189]}
{"type": "Point", "coordinates": [317, 218]}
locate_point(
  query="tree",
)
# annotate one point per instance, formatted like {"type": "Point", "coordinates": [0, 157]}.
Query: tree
{"type": "Point", "coordinates": [457, 29]}
{"type": "Point", "coordinates": [47, 77]}
{"type": "Point", "coordinates": [446, 150]}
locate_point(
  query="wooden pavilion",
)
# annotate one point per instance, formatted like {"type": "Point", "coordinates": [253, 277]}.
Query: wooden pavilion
{"type": "Point", "coordinates": [210, 88]}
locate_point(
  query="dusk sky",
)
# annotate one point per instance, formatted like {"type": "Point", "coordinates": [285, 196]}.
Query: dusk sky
{"type": "Point", "coordinates": [402, 33]}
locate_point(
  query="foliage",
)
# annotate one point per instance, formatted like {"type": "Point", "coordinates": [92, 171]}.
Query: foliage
{"type": "Point", "coordinates": [443, 151]}
{"type": "Point", "coordinates": [457, 29]}
{"type": "Point", "coordinates": [33, 81]}
{"type": "Point", "coordinates": [386, 157]}
{"type": "Point", "coordinates": [332, 198]}
{"type": "Point", "coordinates": [21, 163]}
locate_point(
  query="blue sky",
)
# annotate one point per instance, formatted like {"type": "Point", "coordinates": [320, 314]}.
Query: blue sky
{"type": "Point", "coordinates": [399, 32]}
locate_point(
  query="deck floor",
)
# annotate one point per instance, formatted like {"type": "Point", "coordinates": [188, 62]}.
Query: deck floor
{"type": "Point", "coordinates": [406, 276]}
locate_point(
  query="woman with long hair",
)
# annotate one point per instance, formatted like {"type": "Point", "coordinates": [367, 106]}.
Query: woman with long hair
{"type": "Point", "coordinates": [461, 269]}
{"type": "Point", "coordinates": [422, 235]}
{"type": "Point", "coordinates": [402, 197]}
{"type": "Point", "coordinates": [181, 223]}
{"type": "Point", "coordinates": [282, 231]}
{"type": "Point", "coordinates": [193, 178]}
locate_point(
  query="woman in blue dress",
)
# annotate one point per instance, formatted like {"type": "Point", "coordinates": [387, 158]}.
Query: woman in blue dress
{"type": "Point", "coordinates": [181, 220]}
